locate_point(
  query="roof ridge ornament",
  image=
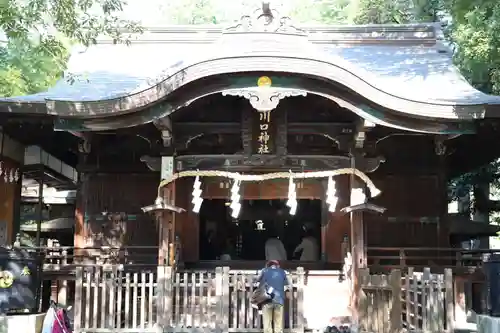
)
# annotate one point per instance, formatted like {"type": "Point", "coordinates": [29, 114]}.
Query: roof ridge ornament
{"type": "Point", "coordinates": [265, 19]}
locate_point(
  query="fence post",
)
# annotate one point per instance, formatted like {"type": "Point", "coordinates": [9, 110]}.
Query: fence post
{"type": "Point", "coordinates": [62, 292]}
{"type": "Point", "coordinates": [450, 306]}
{"type": "Point", "coordinates": [225, 299]}
{"type": "Point", "coordinates": [300, 299]}
{"type": "Point", "coordinates": [396, 309]}
{"type": "Point", "coordinates": [160, 294]}
{"type": "Point", "coordinates": [77, 324]}
{"type": "Point", "coordinates": [426, 295]}
{"type": "Point", "coordinates": [364, 307]}
{"type": "Point", "coordinates": [168, 296]}
{"type": "Point", "coordinates": [219, 308]}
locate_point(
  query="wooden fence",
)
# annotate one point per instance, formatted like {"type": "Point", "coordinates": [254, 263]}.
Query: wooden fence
{"type": "Point", "coordinates": [414, 301]}
{"type": "Point", "coordinates": [114, 300]}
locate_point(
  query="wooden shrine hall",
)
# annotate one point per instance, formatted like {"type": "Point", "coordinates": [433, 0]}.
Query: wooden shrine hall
{"type": "Point", "coordinates": [196, 143]}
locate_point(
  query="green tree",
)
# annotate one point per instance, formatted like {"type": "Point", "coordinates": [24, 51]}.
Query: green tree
{"type": "Point", "coordinates": [474, 31]}
{"type": "Point", "coordinates": [396, 12]}
{"type": "Point", "coordinates": [191, 12]}
{"type": "Point", "coordinates": [39, 33]}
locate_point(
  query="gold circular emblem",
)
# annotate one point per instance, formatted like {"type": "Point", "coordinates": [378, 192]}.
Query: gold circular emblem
{"type": "Point", "coordinates": [6, 279]}
{"type": "Point", "coordinates": [264, 81]}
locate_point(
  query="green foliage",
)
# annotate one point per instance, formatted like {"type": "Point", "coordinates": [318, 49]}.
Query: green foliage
{"type": "Point", "coordinates": [320, 12]}
{"type": "Point", "coordinates": [487, 174]}
{"type": "Point", "coordinates": [192, 12]}
{"type": "Point", "coordinates": [396, 12]}
{"type": "Point", "coordinates": [39, 33]}
{"type": "Point", "coordinates": [377, 12]}
{"type": "Point", "coordinates": [474, 31]}
{"type": "Point", "coordinates": [27, 67]}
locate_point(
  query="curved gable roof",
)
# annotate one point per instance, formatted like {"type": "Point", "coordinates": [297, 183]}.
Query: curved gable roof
{"type": "Point", "coordinates": [405, 68]}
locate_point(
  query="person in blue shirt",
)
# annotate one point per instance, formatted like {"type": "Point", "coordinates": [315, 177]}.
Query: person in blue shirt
{"type": "Point", "coordinates": [275, 281]}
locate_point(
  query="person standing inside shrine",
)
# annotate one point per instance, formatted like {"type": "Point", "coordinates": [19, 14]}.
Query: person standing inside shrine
{"type": "Point", "coordinates": [274, 280]}
{"type": "Point", "coordinates": [275, 250]}
{"type": "Point", "coordinates": [308, 248]}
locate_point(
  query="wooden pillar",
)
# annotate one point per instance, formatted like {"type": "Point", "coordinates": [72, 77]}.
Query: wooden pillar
{"type": "Point", "coordinates": [166, 225]}
{"type": "Point", "coordinates": [10, 197]}
{"type": "Point", "coordinates": [81, 201]}
{"type": "Point", "coordinates": [357, 245]}
{"type": "Point", "coordinates": [357, 251]}
{"type": "Point", "coordinates": [39, 211]}
{"type": "Point", "coordinates": [166, 220]}
{"type": "Point", "coordinates": [443, 223]}
{"type": "Point", "coordinates": [325, 222]}
{"type": "Point", "coordinates": [16, 220]}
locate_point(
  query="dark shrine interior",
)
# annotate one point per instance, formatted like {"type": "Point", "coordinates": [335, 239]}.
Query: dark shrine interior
{"type": "Point", "coordinates": [244, 238]}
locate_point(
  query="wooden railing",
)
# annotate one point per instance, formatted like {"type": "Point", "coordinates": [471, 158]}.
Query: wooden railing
{"type": "Point", "coordinates": [402, 257]}
{"type": "Point", "coordinates": [123, 290]}
{"type": "Point", "coordinates": [60, 263]}
{"type": "Point", "coordinates": [415, 301]}
{"type": "Point", "coordinates": [65, 259]}
{"type": "Point", "coordinates": [114, 300]}
{"type": "Point", "coordinates": [60, 266]}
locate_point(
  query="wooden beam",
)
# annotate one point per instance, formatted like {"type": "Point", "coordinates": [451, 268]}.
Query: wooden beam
{"type": "Point", "coordinates": [330, 129]}
{"type": "Point", "coordinates": [183, 128]}
{"type": "Point", "coordinates": [186, 131]}
{"type": "Point", "coordinates": [289, 162]}
{"type": "Point", "coordinates": [234, 127]}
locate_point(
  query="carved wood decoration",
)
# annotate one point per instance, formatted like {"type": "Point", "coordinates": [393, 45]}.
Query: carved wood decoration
{"type": "Point", "coordinates": [265, 19]}
{"type": "Point", "coordinates": [264, 98]}
{"type": "Point", "coordinates": [440, 147]}
{"type": "Point", "coordinates": [164, 125]}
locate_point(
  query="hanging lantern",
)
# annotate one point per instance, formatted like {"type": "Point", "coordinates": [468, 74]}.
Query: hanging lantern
{"type": "Point", "coordinates": [11, 176]}
{"type": "Point", "coordinates": [331, 195]}
{"type": "Point", "coordinates": [197, 199]}
{"type": "Point", "coordinates": [16, 175]}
